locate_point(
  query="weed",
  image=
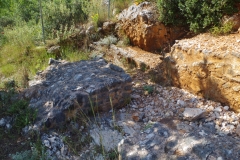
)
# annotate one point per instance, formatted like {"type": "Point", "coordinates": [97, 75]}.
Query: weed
{"type": "Point", "coordinates": [149, 89]}
{"type": "Point", "coordinates": [147, 126]}
{"type": "Point", "coordinates": [143, 67]}
{"type": "Point", "coordinates": [137, 2]}
{"type": "Point", "coordinates": [95, 19]}
{"type": "Point", "coordinates": [108, 41]}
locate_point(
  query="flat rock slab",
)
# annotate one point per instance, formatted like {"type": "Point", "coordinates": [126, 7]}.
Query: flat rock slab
{"type": "Point", "coordinates": [64, 89]}
{"type": "Point", "coordinates": [193, 113]}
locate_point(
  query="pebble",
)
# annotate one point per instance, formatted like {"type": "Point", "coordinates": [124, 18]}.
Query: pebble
{"type": "Point", "coordinates": [2, 122]}
{"type": "Point", "coordinates": [226, 108]}
{"type": "Point", "coordinates": [218, 109]}
{"type": "Point", "coordinates": [238, 130]}
{"type": "Point", "coordinates": [193, 113]}
{"type": "Point", "coordinates": [149, 136]}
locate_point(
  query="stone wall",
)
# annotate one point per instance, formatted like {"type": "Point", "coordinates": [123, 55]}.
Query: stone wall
{"type": "Point", "coordinates": [208, 66]}
{"type": "Point", "coordinates": [66, 90]}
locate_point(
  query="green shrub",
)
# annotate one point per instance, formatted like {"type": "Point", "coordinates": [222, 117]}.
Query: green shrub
{"type": "Point", "coordinates": [62, 13]}
{"type": "Point", "coordinates": [226, 28]}
{"type": "Point", "coordinates": [197, 14]}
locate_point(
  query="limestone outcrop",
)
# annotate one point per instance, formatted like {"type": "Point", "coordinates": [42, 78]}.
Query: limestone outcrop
{"type": "Point", "coordinates": [140, 24]}
{"type": "Point", "coordinates": [65, 90]}
{"type": "Point", "coordinates": [208, 66]}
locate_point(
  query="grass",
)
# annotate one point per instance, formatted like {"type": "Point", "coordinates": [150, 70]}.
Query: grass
{"type": "Point", "coordinates": [23, 55]}
{"type": "Point", "coordinates": [70, 54]}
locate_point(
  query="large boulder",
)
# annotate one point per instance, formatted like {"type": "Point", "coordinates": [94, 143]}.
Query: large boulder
{"type": "Point", "coordinates": [208, 66]}
{"type": "Point", "coordinates": [65, 90]}
{"type": "Point", "coordinates": [140, 24]}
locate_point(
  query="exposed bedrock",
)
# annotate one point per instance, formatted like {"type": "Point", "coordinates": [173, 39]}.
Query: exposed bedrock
{"type": "Point", "coordinates": [65, 90]}
{"type": "Point", "coordinates": [141, 25]}
{"type": "Point", "coordinates": [208, 66]}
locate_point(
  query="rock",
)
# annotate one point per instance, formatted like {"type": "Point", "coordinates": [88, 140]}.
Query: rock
{"type": "Point", "coordinates": [54, 50]}
{"type": "Point", "coordinates": [218, 109]}
{"type": "Point", "coordinates": [135, 96]}
{"type": "Point", "coordinates": [2, 122]}
{"type": "Point", "coordinates": [108, 138]}
{"type": "Point", "coordinates": [108, 27]}
{"type": "Point", "coordinates": [226, 108]}
{"type": "Point", "coordinates": [90, 29]}
{"type": "Point", "coordinates": [53, 61]}
{"type": "Point", "coordinates": [134, 106]}
{"type": "Point", "coordinates": [65, 89]}
{"type": "Point", "coordinates": [181, 103]}
{"type": "Point", "coordinates": [238, 130]}
{"type": "Point", "coordinates": [192, 114]}
{"type": "Point", "coordinates": [137, 117]}
{"type": "Point", "coordinates": [140, 24]}
{"type": "Point", "coordinates": [8, 126]}
{"type": "Point", "coordinates": [55, 148]}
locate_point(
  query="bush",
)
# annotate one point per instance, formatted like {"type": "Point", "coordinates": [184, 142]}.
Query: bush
{"type": "Point", "coordinates": [59, 13]}
{"type": "Point", "coordinates": [222, 30]}
{"type": "Point", "coordinates": [197, 14]}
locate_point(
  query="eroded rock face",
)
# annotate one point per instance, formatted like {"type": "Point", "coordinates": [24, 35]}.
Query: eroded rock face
{"type": "Point", "coordinates": [140, 24]}
{"type": "Point", "coordinates": [209, 66]}
{"type": "Point", "coordinates": [64, 89]}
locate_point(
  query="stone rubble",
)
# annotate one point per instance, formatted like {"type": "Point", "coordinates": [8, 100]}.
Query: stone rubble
{"type": "Point", "coordinates": [155, 125]}
{"type": "Point", "coordinates": [6, 122]}
{"type": "Point", "coordinates": [56, 149]}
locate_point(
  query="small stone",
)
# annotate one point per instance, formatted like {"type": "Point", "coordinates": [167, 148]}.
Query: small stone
{"type": "Point", "coordinates": [135, 96]}
{"type": "Point", "coordinates": [202, 133]}
{"type": "Point", "coordinates": [137, 117]}
{"type": "Point", "coordinates": [145, 119]}
{"type": "Point", "coordinates": [218, 109]}
{"type": "Point", "coordinates": [46, 143]}
{"type": "Point", "coordinates": [123, 110]}
{"type": "Point", "coordinates": [148, 131]}
{"type": "Point", "coordinates": [217, 115]}
{"type": "Point", "coordinates": [149, 136]}
{"type": "Point", "coordinates": [9, 126]}
{"type": "Point", "coordinates": [210, 108]}
{"type": "Point", "coordinates": [2, 122]}
{"type": "Point", "coordinates": [181, 103]}
{"type": "Point", "coordinates": [134, 106]}
{"type": "Point", "coordinates": [226, 108]}
{"type": "Point", "coordinates": [238, 130]}
{"type": "Point", "coordinates": [193, 113]}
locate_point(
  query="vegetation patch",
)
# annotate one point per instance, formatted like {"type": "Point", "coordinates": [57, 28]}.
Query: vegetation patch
{"type": "Point", "coordinates": [198, 15]}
